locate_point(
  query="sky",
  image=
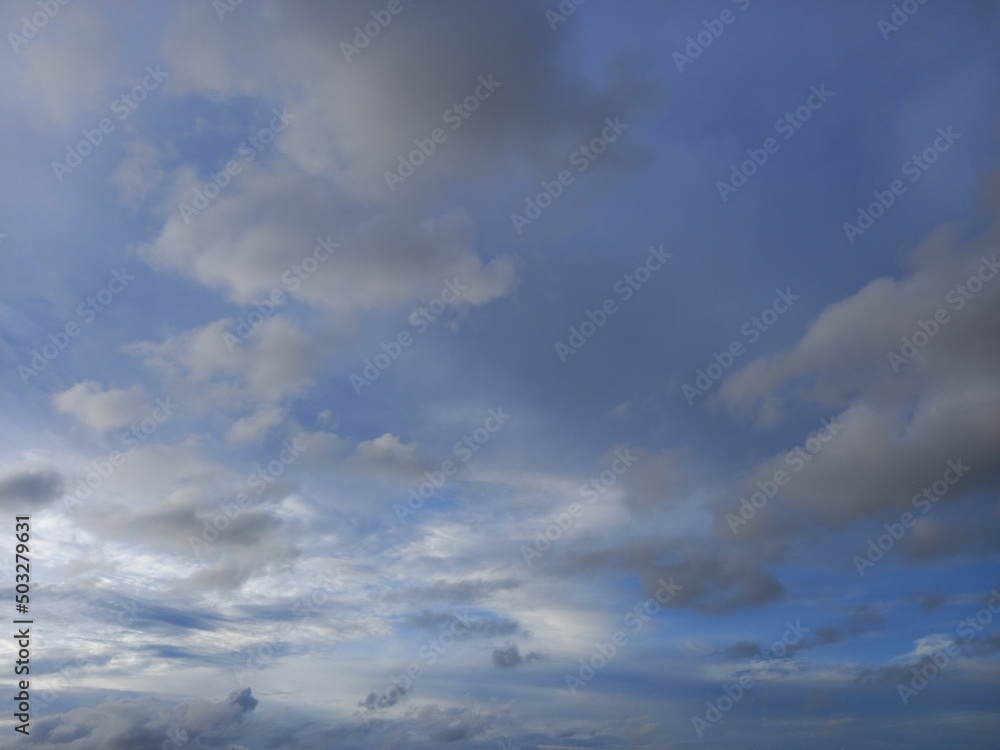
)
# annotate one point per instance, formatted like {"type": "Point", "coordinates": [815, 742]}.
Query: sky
{"type": "Point", "coordinates": [447, 374]}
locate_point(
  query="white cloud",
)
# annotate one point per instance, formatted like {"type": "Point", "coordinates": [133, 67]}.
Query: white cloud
{"type": "Point", "coordinates": [387, 454]}
{"type": "Point", "coordinates": [273, 361]}
{"type": "Point", "coordinates": [99, 409]}
{"type": "Point", "coordinates": [255, 425]}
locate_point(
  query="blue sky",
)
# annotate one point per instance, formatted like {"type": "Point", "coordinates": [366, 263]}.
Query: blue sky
{"type": "Point", "coordinates": [569, 360]}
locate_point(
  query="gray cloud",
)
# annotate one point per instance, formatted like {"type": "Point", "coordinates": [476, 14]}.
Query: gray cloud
{"type": "Point", "coordinates": [929, 602]}
{"type": "Point", "coordinates": [509, 656]}
{"type": "Point", "coordinates": [716, 586]}
{"type": "Point", "coordinates": [28, 488]}
{"type": "Point", "coordinates": [481, 627]}
{"type": "Point", "coordinates": [468, 590]}
{"type": "Point", "coordinates": [742, 650]}
{"type": "Point", "coordinates": [899, 429]}
{"type": "Point", "coordinates": [146, 724]}
{"type": "Point", "coordinates": [378, 701]}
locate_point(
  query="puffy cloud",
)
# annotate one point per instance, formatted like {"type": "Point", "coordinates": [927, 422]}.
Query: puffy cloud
{"type": "Point", "coordinates": [275, 360]}
{"type": "Point", "coordinates": [387, 455]}
{"type": "Point", "coordinates": [274, 233]}
{"type": "Point", "coordinates": [99, 409]}
{"type": "Point", "coordinates": [146, 724]}
{"type": "Point", "coordinates": [253, 426]}
{"type": "Point", "coordinates": [899, 429]}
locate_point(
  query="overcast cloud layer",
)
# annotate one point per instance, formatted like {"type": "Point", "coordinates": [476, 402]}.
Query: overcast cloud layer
{"type": "Point", "coordinates": [430, 373]}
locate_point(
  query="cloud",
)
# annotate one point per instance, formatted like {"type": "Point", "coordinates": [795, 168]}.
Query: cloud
{"type": "Point", "coordinates": [387, 455]}
{"type": "Point", "coordinates": [717, 586]}
{"type": "Point", "coordinates": [508, 656]}
{"type": "Point", "coordinates": [742, 650]}
{"type": "Point", "coordinates": [66, 72]}
{"type": "Point", "coordinates": [249, 241]}
{"type": "Point", "coordinates": [253, 426]}
{"type": "Point", "coordinates": [99, 409]}
{"type": "Point", "coordinates": [465, 627]}
{"type": "Point", "coordinates": [274, 361]}
{"type": "Point", "coordinates": [325, 172]}
{"type": "Point", "coordinates": [146, 724]}
{"type": "Point", "coordinates": [349, 137]}
{"type": "Point", "coordinates": [650, 481]}
{"type": "Point", "coordinates": [231, 544]}
{"type": "Point", "coordinates": [899, 429]}
{"type": "Point", "coordinates": [929, 602]}
{"type": "Point", "coordinates": [864, 619]}
{"type": "Point", "coordinates": [458, 592]}
{"type": "Point", "coordinates": [379, 701]}
{"type": "Point", "coordinates": [138, 173]}
{"type": "Point", "coordinates": [29, 488]}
